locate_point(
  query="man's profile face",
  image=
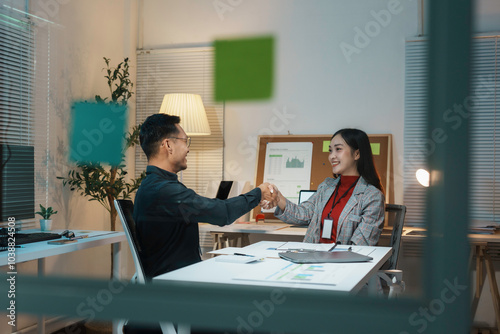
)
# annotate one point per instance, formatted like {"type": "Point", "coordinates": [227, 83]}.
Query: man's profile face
{"type": "Point", "coordinates": [180, 149]}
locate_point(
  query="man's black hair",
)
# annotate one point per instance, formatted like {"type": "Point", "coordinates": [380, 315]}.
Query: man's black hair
{"type": "Point", "coordinates": [156, 128]}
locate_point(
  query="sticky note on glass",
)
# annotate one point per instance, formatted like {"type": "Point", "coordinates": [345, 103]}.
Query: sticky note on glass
{"type": "Point", "coordinates": [375, 148]}
{"type": "Point", "coordinates": [97, 132]}
{"type": "Point", "coordinates": [244, 68]}
{"type": "Point", "coordinates": [326, 145]}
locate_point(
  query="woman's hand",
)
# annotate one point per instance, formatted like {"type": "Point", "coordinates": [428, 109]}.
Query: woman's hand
{"type": "Point", "coordinates": [279, 199]}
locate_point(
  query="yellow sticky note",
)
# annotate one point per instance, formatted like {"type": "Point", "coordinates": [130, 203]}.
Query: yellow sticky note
{"type": "Point", "coordinates": [326, 145]}
{"type": "Point", "coordinates": [375, 148]}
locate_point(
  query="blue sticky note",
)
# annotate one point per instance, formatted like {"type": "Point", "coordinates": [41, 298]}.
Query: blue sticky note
{"type": "Point", "coordinates": [97, 132]}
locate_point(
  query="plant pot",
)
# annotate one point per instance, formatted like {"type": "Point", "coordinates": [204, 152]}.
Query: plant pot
{"type": "Point", "coordinates": [45, 224]}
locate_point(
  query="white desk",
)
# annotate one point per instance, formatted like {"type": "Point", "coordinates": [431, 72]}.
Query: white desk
{"type": "Point", "coordinates": [40, 250]}
{"type": "Point", "coordinates": [349, 277]}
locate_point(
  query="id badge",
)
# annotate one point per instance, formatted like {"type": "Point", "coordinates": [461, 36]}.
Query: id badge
{"type": "Point", "coordinates": [327, 229]}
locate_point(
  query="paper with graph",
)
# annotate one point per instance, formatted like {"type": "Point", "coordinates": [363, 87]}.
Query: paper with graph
{"type": "Point", "coordinates": [324, 273]}
{"type": "Point", "coordinates": [288, 166]}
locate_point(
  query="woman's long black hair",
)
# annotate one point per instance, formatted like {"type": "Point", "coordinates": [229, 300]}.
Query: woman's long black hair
{"type": "Point", "coordinates": [358, 140]}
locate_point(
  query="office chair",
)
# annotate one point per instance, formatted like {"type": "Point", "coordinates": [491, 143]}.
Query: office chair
{"type": "Point", "coordinates": [125, 209]}
{"type": "Point", "coordinates": [388, 273]}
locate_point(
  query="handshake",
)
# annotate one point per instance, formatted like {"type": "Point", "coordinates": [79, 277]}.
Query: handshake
{"type": "Point", "coordinates": [271, 196]}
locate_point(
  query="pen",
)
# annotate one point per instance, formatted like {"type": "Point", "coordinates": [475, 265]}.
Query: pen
{"type": "Point", "coordinates": [241, 254]}
{"type": "Point", "coordinates": [333, 247]}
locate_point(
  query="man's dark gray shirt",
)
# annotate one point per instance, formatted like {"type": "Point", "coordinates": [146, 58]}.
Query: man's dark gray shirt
{"type": "Point", "coordinates": [166, 214]}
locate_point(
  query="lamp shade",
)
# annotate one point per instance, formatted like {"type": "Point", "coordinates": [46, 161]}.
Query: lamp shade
{"type": "Point", "coordinates": [189, 107]}
{"type": "Point", "coordinates": [423, 177]}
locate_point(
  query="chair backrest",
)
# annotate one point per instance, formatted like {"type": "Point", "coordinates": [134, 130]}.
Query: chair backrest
{"type": "Point", "coordinates": [125, 210]}
{"type": "Point", "coordinates": [396, 216]}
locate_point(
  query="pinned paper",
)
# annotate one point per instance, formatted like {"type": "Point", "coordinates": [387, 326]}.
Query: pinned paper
{"type": "Point", "coordinates": [97, 132]}
{"type": "Point", "coordinates": [375, 148]}
{"type": "Point", "coordinates": [244, 68]}
{"type": "Point", "coordinates": [326, 145]}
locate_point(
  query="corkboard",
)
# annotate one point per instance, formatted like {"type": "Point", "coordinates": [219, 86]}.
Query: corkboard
{"type": "Point", "coordinates": [320, 168]}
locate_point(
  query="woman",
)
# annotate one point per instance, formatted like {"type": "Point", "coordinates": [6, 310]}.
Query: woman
{"type": "Point", "coordinates": [348, 209]}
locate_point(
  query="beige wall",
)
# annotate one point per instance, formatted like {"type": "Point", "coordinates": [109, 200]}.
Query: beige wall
{"type": "Point", "coordinates": [90, 30]}
{"type": "Point", "coordinates": [84, 32]}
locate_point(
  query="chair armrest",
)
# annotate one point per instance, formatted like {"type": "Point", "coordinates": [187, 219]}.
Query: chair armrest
{"type": "Point", "coordinates": [394, 279]}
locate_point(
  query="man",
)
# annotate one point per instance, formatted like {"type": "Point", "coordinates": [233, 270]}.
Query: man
{"type": "Point", "coordinates": [166, 212]}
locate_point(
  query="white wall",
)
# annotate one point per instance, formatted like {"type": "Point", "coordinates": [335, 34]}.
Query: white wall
{"type": "Point", "coordinates": [83, 33]}
{"type": "Point", "coordinates": [316, 86]}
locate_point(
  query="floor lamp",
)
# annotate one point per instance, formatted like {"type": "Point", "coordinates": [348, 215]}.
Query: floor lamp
{"type": "Point", "coordinates": [189, 107]}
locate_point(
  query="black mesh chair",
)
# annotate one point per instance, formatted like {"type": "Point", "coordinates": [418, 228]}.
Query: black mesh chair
{"type": "Point", "coordinates": [388, 273]}
{"type": "Point", "coordinates": [125, 210]}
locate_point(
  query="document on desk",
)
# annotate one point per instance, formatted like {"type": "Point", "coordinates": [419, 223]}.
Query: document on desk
{"type": "Point", "coordinates": [329, 274]}
{"type": "Point", "coordinates": [242, 228]}
{"type": "Point", "coordinates": [232, 258]}
{"type": "Point", "coordinates": [295, 245]}
{"type": "Point", "coordinates": [226, 251]}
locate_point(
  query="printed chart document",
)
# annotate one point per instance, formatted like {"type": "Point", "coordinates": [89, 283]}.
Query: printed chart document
{"type": "Point", "coordinates": [288, 166]}
{"type": "Point", "coordinates": [301, 273]}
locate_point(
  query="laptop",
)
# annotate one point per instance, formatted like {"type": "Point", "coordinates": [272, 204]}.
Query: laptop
{"type": "Point", "coordinates": [324, 257]}
{"type": "Point", "coordinates": [305, 194]}
{"type": "Point", "coordinates": [224, 189]}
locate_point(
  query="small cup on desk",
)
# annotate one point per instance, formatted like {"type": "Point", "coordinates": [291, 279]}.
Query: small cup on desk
{"type": "Point", "coordinates": [45, 224]}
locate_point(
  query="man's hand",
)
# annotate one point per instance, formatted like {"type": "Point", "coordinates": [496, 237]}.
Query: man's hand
{"type": "Point", "coordinates": [279, 201]}
{"type": "Point", "coordinates": [269, 198]}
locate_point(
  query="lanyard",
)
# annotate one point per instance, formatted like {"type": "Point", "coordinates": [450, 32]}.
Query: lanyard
{"type": "Point", "coordinates": [344, 195]}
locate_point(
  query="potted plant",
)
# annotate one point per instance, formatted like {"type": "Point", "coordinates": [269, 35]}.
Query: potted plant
{"type": "Point", "coordinates": [46, 222]}
{"type": "Point", "coordinates": [104, 183]}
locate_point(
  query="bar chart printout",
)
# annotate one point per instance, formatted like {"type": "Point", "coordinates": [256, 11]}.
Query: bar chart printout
{"type": "Point", "coordinates": [288, 166]}
{"type": "Point", "coordinates": [324, 273]}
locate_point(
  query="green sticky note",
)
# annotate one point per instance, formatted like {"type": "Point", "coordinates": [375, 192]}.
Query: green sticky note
{"type": "Point", "coordinates": [375, 148]}
{"type": "Point", "coordinates": [244, 69]}
{"type": "Point", "coordinates": [326, 145]}
{"type": "Point", "coordinates": [97, 132]}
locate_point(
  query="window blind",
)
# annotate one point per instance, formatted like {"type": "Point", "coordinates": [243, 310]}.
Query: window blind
{"type": "Point", "coordinates": [183, 70]}
{"type": "Point", "coordinates": [16, 84]}
{"type": "Point", "coordinates": [16, 115]}
{"type": "Point", "coordinates": [480, 107]}
{"type": "Point", "coordinates": [26, 66]}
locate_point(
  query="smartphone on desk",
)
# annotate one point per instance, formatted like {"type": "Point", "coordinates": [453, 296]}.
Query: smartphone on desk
{"type": "Point", "coordinates": [61, 242]}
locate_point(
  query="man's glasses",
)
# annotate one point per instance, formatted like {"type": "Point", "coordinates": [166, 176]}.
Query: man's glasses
{"type": "Point", "coordinates": [187, 140]}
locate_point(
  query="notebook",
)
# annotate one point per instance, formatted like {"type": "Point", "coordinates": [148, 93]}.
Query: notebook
{"type": "Point", "coordinates": [324, 257]}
